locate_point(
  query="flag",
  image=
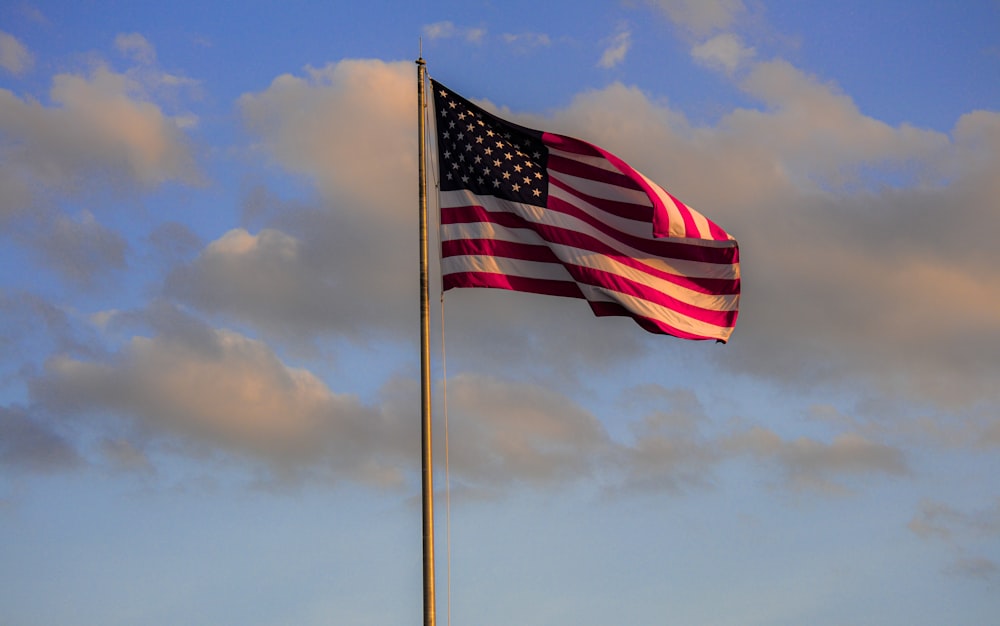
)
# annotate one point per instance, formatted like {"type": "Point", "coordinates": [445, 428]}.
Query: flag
{"type": "Point", "coordinates": [528, 210]}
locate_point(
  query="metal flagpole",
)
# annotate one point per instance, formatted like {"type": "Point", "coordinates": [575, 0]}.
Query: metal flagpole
{"type": "Point", "coordinates": [427, 458]}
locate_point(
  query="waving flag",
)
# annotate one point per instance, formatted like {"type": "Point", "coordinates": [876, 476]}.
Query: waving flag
{"type": "Point", "coordinates": [533, 211]}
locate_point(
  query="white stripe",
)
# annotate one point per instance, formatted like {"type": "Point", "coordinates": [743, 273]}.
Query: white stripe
{"type": "Point", "coordinates": [504, 265]}
{"type": "Point", "coordinates": [596, 161]}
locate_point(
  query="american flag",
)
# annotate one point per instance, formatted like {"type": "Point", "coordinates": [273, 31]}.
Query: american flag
{"type": "Point", "coordinates": [527, 210]}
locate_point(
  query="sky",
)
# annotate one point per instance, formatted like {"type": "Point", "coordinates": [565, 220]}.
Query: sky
{"type": "Point", "coordinates": [209, 320]}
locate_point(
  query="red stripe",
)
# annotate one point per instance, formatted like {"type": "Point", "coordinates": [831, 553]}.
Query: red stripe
{"type": "Point", "coordinates": [690, 227]}
{"type": "Point", "coordinates": [471, 214]}
{"type": "Point", "coordinates": [542, 286]}
{"type": "Point", "coordinates": [563, 165]}
{"type": "Point", "coordinates": [570, 144]}
{"type": "Point", "coordinates": [606, 309]}
{"type": "Point", "coordinates": [498, 248]}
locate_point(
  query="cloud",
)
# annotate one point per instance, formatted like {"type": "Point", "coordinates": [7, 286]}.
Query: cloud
{"type": "Point", "coordinates": [669, 452]}
{"type": "Point", "coordinates": [124, 456]}
{"type": "Point", "coordinates": [337, 277]}
{"type": "Point", "coordinates": [977, 568]}
{"type": "Point", "coordinates": [725, 52]}
{"type": "Point", "coordinates": [677, 446]}
{"type": "Point", "coordinates": [14, 56]}
{"type": "Point", "coordinates": [349, 127]}
{"type": "Point", "coordinates": [834, 211]}
{"type": "Point", "coordinates": [507, 432]}
{"type": "Point", "coordinates": [618, 47]}
{"type": "Point", "coordinates": [963, 531]}
{"type": "Point", "coordinates": [811, 464]}
{"type": "Point", "coordinates": [189, 389]}
{"type": "Point", "coordinates": [135, 47]}
{"type": "Point", "coordinates": [939, 520]}
{"type": "Point", "coordinates": [524, 42]}
{"type": "Point", "coordinates": [833, 256]}
{"type": "Point", "coordinates": [81, 250]}
{"type": "Point", "coordinates": [448, 30]}
{"type": "Point", "coordinates": [30, 445]}
{"type": "Point", "coordinates": [232, 392]}
{"type": "Point", "coordinates": [94, 129]}
{"type": "Point", "coordinates": [701, 16]}
{"type": "Point", "coordinates": [32, 326]}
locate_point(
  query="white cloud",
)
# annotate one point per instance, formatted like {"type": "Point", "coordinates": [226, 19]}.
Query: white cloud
{"type": "Point", "coordinates": [95, 126]}
{"type": "Point", "coordinates": [349, 126]}
{"type": "Point", "coordinates": [701, 16]}
{"type": "Point", "coordinates": [448, 30]}
{"type": "Point", "coordinates": [14, 56]}
{"type": "Point", "coordinates": [296, 286]}
{"type": "Point", "coordinates": [233, 392]}
{"type": "Point", "coordinates": [725, 52]}
{"type": "Point", "coordinates": [617, 48]}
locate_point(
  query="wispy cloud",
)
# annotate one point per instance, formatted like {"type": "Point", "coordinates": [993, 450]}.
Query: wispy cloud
{"type": "Point", "coordinates": [618, 46]}
{"type": "Point", "coordinates": [14, 56]}
{"type": "Point", "coordinates": [448, 30]}
{"type": "Point", "coordinates": [135, 47]}
{"type": "Point", "coordinates": [525, 42]}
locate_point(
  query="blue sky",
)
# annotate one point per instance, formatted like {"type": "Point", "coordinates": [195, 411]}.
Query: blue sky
{"type": "Point", "coordinates": [209, 394]}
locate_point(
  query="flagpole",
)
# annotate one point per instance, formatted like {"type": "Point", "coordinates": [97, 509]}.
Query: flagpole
{"type": "Point", "coordinates": [427, 458]}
